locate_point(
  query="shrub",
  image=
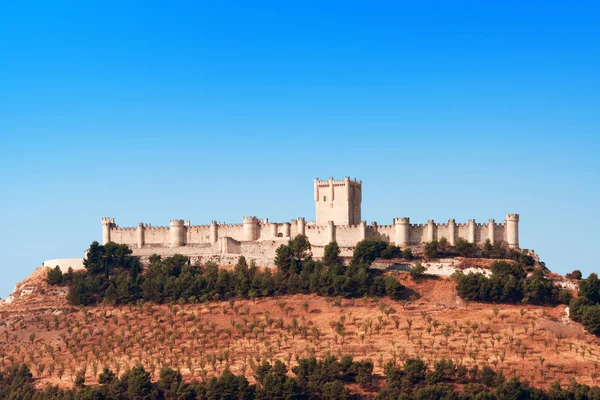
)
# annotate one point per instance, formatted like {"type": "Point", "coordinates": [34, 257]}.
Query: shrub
{"type": "Point", "coordinates": [55, 276]}
{"type": "Point", "coordinates": [417, 271]}
{"type": "Point", "coordinates": [576, 274]}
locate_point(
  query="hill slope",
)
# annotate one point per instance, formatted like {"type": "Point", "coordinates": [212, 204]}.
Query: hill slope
{"type": "Point", "coordinates": [538, 343]}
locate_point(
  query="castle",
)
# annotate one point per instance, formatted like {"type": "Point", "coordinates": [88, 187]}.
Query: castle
{"type": "Point", "coordinates": [338, 218]}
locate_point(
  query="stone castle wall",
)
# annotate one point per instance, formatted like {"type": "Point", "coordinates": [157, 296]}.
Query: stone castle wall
{"type": "Point", "coordinates": [259, 239]}
{"type": "Point", "coordinates": [338, 218]}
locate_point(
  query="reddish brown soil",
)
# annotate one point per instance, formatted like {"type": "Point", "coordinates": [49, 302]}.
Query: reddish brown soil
{"type": "Point", "coordinates": [537, 343]}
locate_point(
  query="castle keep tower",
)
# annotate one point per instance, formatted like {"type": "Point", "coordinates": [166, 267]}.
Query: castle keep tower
{"type": "Point", "coordinates": [338, 201]}
{"type": "Point", "coordinates": [338, 218]}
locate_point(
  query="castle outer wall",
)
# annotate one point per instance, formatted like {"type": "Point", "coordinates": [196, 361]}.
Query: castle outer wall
{"type": "Point", "coordinates": [259, 239]}
{"type": "Point", "coordinates": [338, 218]}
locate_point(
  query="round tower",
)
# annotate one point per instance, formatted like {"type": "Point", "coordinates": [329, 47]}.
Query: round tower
{"type": "Point", "coordinates": [251, 232]}
{"type": "Point", "coordinates": [330, 232]}
{"type": "Point", "coordinates": [140, 235]}
{"type": "Point", "coordinates": [301, 226]}
{"type": "Point", "coordinates": [273, 230]}
{"type": "Point", "coordinates": [287, 227]}
{"type": "Point", "coordinates": [363, 230]}
{"type": "Point", "coordinates": [452, 232]}
{"type": "Point", "coordinates": [107, 223]}
{"type": "Point", "coordinates": [471, 227]}
{"type": "Point", "coordinates": [492, 231]}
{"type": "Point", "coordinates": [430, 230]}
{"type": "Point", "coordinates": [512, 230]}
{"type": "Point", "coordinates": [402, 232]}
{"type": "Point", "coordinates": [177, 232]}
{"type": "Point", "coordinates": [213, 232]}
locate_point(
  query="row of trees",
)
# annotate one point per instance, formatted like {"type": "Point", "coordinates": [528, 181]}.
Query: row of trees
{"type": "Point", "coordinates": [113, 276]}
{"type": "Point", "coordinates": [509, 283]}
{"type": "Point", "coordinates": [314, 379]}
{"type": "Point", "coordinates": [441, 248]}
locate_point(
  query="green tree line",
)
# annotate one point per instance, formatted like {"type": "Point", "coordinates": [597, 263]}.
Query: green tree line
{"type": "Point", "coordinates": [313, 379]}
{"type": "Point", "coordinates": [510, 283]}
{"type": "Point", "coordinates": [114, 276]}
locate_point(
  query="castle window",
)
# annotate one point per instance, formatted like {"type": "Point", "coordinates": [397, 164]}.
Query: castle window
{"type": "Point", "coordinates": [324, 198]}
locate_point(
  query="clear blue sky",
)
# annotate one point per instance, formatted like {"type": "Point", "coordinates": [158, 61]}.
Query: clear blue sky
{"type": "Point", "coordinates": [148, 111]}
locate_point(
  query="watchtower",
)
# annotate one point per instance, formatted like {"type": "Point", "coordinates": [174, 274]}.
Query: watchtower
{"type": "Point", "coordinates": [338, 201]}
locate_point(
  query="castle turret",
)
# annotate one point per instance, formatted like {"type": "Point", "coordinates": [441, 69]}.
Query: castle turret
{"type": "Point", "coordinates": [251, 229]}
{"type": "Point", "coordinates": [287, 227]}
{"type": "Point", "coordinates": [273, 230]}
{"type": "Point", "coordinates": [107, 224]}
{"type": "Point", "coordinates": [301, 226]}
{"type": "Point", "coordinates": [492, 230]}
{"type": "Point", "coordinates": [430, 230]}
{"type": "Point", "coordinates": [140, 235]}
{"type": "Point", "coordinates": [177, 232]}
{"type": "Point", "coordinates": [213, 232]}
{"type": "Point", "coordinates": [363, 230]}
{"type": "Point", "coordinates": [512, 230]}
{"type": "Point", "coordinates": [330, 231]}
{"type": "Point", "coordinates": [452, 232]}
{"type": "Point", "coordinates": [471, 227]}
{"type": "Point", "coordinates": [402, 233]}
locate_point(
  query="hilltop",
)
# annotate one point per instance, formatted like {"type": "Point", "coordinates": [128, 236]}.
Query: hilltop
{"type": "Point", "coordinates": [537, 343]}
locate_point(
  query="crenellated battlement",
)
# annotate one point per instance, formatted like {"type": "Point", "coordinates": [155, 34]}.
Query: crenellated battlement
{"type": "Point", "coordinates": [338, 211]}
{"type": "Point", "coordinates": [341, 182]}
{"type": "Point", "coordinates": [157, 228]}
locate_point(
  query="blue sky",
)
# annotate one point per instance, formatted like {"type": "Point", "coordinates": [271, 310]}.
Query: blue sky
{"type": "Point", "coordinates": [149, 111]}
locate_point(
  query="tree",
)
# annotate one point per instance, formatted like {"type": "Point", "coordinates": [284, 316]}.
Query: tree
{"type": "Point", "coordinates": [331, 255]}
{"type": "Point", "coordinates": [106, 376]}
{"type": "Point", "coordinates": [300, 247]}
{"type": "Point", "coordinates": [94, 258]}
{"type": "Point", "coordinates": [464, 248]}
{"type": "Point", "coordinates": [228, 386]}
{"type": "Point", "coordinates": [283, 258]}
{"type": "Point", "coordinates": [417, 271]}
{"type": "Point", "coordinates": [55, 276]}
{"type": "Point", "coordinates": [391, 251]}
{"type": "Point", "coordinates": [139, 385]}
{"type": "Point", "coordinates": [576, 274]}
{"type": "Point", "coordinates": [431, 249]}
{"type": "Point", "coordinates": [591, 319]}
{"type": "Point", "coordinates": [80, 379]}
{"type": "Point", "coordinates": [81, 291]}
{"type": "Point", "coordinates": [366, 251]}
{"type": "Point", "coordinates": [393, 288]}
{"type": "Point", "coordinates": [590, 288]}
